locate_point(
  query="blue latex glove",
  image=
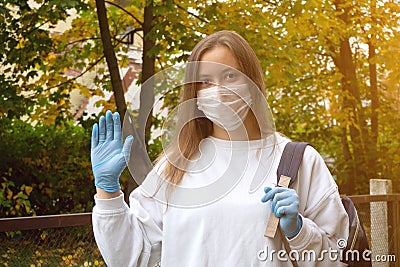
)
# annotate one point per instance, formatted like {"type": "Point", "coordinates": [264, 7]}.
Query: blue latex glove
{"type": "Point", "coordinates": [285, 205]}
{"type": "Point", "coordinates": [107, 154]}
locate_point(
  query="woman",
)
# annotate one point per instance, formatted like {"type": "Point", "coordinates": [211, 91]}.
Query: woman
{"type": "Point", "coordinates": [200, 206]}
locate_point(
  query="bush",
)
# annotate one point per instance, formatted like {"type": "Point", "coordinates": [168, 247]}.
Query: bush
{"type": "Point", "coordinates": [44, 169]}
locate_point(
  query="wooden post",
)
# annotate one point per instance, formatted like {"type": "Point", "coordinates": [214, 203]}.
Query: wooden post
{"type": "Point", "coordinates": [379, 220]}
{"type": "Point", "coordinates": [393, 230]}
{"type": "Point", "coordinates": [273, 222]}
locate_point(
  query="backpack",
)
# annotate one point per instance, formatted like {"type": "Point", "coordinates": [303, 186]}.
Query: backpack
{"type": "Point", "coordinates": [357, 241]}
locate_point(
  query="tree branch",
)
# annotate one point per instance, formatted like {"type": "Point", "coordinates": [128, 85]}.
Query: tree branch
{"type": "Point", "coordinates": [89, 68]}
{"type": "Point", "coordinates": [72, 79]}
{"type": "Point", "coordinates": [190, 13]}
{"type": "Point", "coordinates": [83, 40]}
{"type": "Point", "coordinates": [132, 32]}
{"type": "Point", "coordinates": [160, 63]}
{"type": "Point", "coordinates": [126, 11]}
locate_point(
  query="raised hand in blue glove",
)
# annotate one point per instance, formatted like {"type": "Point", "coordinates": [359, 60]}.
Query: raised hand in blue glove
{"type": "Point", "coordinates": [285, 205]}
{"type": "Point", "coordinates": [107, 154]}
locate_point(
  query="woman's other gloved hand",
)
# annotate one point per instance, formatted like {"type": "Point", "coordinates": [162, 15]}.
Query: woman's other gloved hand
{"type": "Point", "coordinates": [285, 205]}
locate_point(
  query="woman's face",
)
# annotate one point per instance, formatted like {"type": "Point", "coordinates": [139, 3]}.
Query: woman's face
{"type": "Point", "coordinates": [219, 67]}
{"type": "Point", "coordinates": [223, 93]}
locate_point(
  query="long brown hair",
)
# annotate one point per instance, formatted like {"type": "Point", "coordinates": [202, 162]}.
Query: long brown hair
{"type": "Point", "coordinates": [193, 131]}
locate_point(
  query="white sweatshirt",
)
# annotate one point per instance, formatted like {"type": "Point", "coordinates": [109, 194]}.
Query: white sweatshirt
{"type": "Point", "coordinates": [228, 228]}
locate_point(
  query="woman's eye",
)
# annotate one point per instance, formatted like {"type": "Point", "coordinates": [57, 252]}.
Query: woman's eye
{"type": "Point", "coordinates": [205, 83]}
{"type": "Point", "coordinates": [230, 76]}
{"type": "Point", "coordinates": [204, 80]}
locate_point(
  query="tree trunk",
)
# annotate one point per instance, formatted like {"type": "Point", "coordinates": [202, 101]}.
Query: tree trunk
{"type": "Point", "coordinates": [373, 154]}
{"type": "Point", "coordinates": [148, 70]}
{"type": "Point", "coordinates": [141, 164]}
{"type": "Point", "coordinates": [111, 59]}
{"type": "Point", "coordinates": [347, 168]}
{"type": "Point", "coordinates": [352, 108]}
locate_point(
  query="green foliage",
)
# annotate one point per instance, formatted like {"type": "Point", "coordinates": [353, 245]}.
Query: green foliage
{"type": "Point", "coordinates": [155, 148]}
{"type": "Point", "coordinates": [27, 48]}
{"type": "Point", "coordinates": [45, 169]}
{"type": "Point", "coordinates": [15, 201]}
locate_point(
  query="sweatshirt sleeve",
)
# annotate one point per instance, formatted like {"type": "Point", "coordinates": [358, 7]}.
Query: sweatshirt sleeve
{"type": "Point", "coordinates": [325, 220]}
{"type": "Point", "coordinates": [128, 236]}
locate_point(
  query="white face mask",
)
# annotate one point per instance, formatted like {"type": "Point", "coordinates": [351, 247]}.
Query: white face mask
{"type": "Point", "coordinates": [226, 106]}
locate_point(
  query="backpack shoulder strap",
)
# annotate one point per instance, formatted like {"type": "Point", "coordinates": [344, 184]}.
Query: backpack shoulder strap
{"type": "Point", "coordinates": [289, 166]}
{"type": "Point", "coordinates": [291, 159]}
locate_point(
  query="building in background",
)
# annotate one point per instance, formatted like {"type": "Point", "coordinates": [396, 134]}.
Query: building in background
{"type": "Point", "coordinates": [81, 104]}
{"type": "Point", "coordinates": [129, 75]}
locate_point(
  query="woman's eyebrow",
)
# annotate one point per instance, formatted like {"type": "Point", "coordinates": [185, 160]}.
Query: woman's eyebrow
{"type": "Point", "coordinates": [204, 75]}
{"type": "Point", "coordinates": [231, 69]}
{"type": "Point", "coordinates": [228, 69]}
